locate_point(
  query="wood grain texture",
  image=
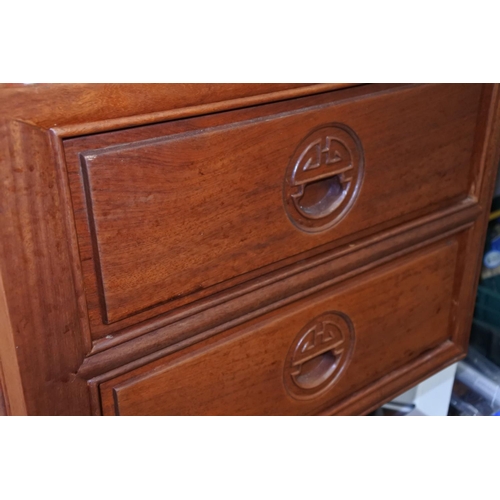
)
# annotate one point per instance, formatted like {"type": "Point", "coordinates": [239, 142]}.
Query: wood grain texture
{"type": "Point", "coordinates": [136, 347]}
{"type": "Point", "coordinates": [194, 197]}
{"type": "Point", "coordinates": [3, 409]}
{"type": "Point", "coordinates": [398, 313]}
{"type": "Point", "coordinates": [76, 109]}
{"type": "Point", "coordinates": [3, 401]}
{"type": "Point", "coordinates": [486, 161]}
{"type": "Point", "coordinates": [37, 278]}
{"type": "Point", "coordinates": [398, 381]}
{"type": "Point", "coordinates": [425, 257]}
{"type": "Point", "coordinates": [10, 374]}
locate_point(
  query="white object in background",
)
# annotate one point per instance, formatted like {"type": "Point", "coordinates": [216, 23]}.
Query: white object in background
{"type": "Point", "coordinates": [479, 383]}
{"type": "Point", "coordinates": [432, 396]}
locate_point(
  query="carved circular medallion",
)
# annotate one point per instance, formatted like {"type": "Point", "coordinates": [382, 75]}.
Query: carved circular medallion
{"type": "Point", "coordinates": [318, 355]}
{"type": "Point", "coordinates": [323, 178]}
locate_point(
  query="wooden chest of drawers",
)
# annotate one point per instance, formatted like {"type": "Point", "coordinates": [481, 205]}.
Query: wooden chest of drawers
{"type": "Point", "coordinates": [237, 249]}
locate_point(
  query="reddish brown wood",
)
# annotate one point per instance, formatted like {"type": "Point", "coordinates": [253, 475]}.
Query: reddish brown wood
{"type": "Point", "coordinates": [410, 243]}
{"type": "Point", "coordinates": [10, 376]}
{"type": "Point", "coordinates": [77, 109]}
{"type": "Point", "coordinates": [3, 409]}
{"type": "Point", "coordinates": [374, 395]}
{"type": "Point", "coordinates": [183, 330]}
{"type": "Point", "coordinates": [3, 404]}
{"type": "Point", "coordinates": [397, 313]}
{"type": "Point", "coordinates": [486, 164]}
{"type": "Point", "coordinates": [43, 328]}
{"type": "Point", "coordinates": [184, 199]}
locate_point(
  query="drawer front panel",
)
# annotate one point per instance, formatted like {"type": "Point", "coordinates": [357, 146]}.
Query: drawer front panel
{"type": "Point", "coordinates": [179, 211]}
{"type": "Point", "coordinates": [307, 355]}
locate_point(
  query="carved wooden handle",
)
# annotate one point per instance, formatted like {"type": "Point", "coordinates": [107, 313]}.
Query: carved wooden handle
{"type": "Point", "coordinates": [323, 178]}
{"type": "Point", "coordinates": [318, 354]}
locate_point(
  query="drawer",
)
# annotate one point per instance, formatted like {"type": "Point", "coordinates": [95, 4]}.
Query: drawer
{"type": "Point", "coordinates": [308, 355]}
{"type": "Point", "coordinates": [171, 213]}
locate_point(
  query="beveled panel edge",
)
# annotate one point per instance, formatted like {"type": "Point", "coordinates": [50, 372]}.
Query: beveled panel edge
{"type": "Point", "coordinates": [3, 401]}
{"type": "Point", "coordinates": [487, 161]}
{"type": "Point", "coordinates": [486, 136]}
{"type": "Point", "coordinates": [408, 371]}
{"type": "Point", "coordinates": [464, 211]}
{"type": "Point", "coordinates": [106, 328]}
{"type": "Point", "coordinates": [436, 359]}
{"type": "Point", "coordinates": [89, 203]}
{"type": "Point", "coordinates": [482, 187]}
{"type": "Point", "coordinates": [72, 238]}
{"type": "Point", "coordinates": [225, 287]}
{"type": "Point", "coordinates": [158, 343]}
{"type": "Point", "coordinates": [94, 398]}
{"type": "Point", "coordinates": [371, 396]}
{"type": "Point", "coordinates": [492, 150]}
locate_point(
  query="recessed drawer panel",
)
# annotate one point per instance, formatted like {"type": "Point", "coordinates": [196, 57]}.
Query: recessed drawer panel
{"type": "Point", "coordinates": [182, 210]}
{"type": "Point", "coordinates": [308, 355]}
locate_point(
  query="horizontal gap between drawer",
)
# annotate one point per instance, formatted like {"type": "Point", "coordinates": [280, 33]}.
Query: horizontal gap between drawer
{"type": "Point", "coordinates": [462, 212]}
{"type": "Point", "coordinates": [172, 338]}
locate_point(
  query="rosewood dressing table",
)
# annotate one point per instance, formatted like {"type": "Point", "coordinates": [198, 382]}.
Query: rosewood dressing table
{"type": "Point", "coordinates": [237, 249]}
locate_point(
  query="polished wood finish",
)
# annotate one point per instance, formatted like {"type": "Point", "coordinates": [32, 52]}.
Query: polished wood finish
{"type": "Point", "coordinates": [186, 198]}
{"type": "Point", "coordinates": [173, 333]}
{"type": "Point", "coordinates": [78, 109]}
{"type": "Point", "coordinates": [3, 407]}
{"type": "Point", "coordinates": [398, 312]}
{"type": "Point", "coordinates": [86, 326]}
{"type": "Point", "coordinates": [42, 306]}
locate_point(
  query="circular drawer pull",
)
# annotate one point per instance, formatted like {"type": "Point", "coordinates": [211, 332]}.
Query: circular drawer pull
{"type": "Point", "coordinates": [323, 178]}
{"type": "Point", "coordinates": [315, 371]}
{"type": "Point", "coordinates": [318, 355]}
